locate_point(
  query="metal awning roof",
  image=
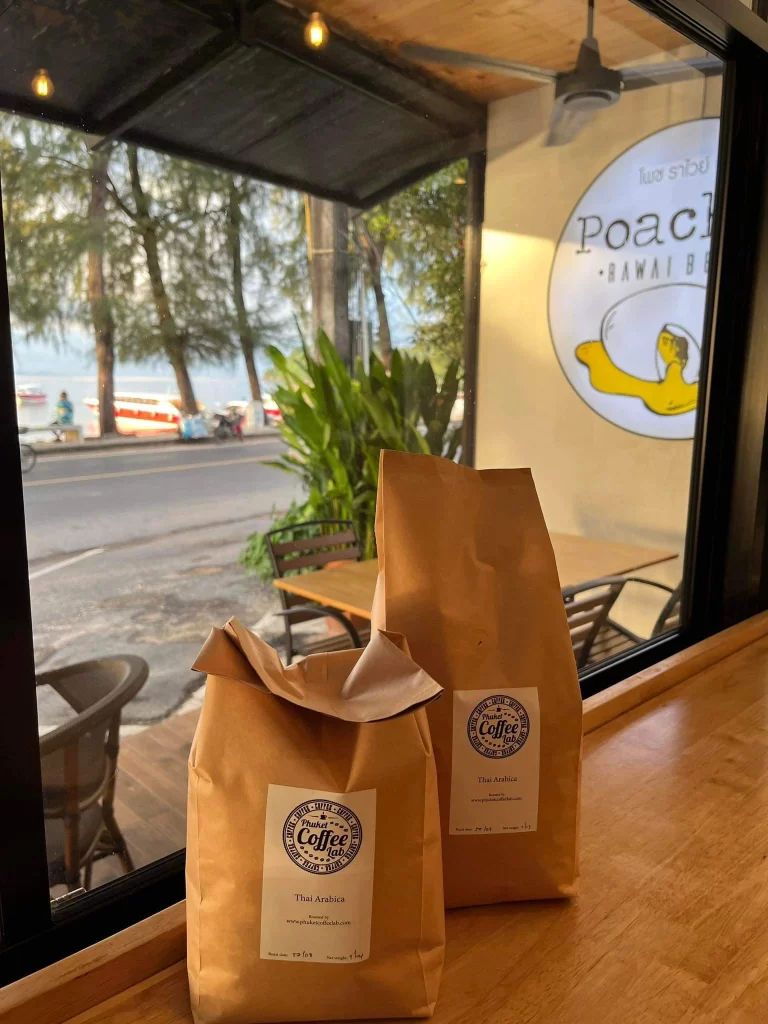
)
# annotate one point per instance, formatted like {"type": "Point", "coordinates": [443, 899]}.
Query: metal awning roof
{"type": "Point", "coordinates": [233, 84]}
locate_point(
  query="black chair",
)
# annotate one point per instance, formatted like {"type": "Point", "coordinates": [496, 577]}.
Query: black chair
{"type": "Point", "coordinates": [669, 616]}
{"type": "Point", "coordinates": [587, 606]}
{"type": "Point", "coordinates": [79, 766]}
{"type": "Point", "coordinates": [313, 544]}
{"type": "Point", "coordinates": [594, 634]}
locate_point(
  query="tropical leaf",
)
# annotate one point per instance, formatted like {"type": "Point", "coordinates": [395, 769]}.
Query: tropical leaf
{"type": "Point", "coordinates": [336, 422]}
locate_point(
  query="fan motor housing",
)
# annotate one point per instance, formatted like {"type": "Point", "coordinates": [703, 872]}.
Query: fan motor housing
{"type": "Point", "coordinates": [588, 90]}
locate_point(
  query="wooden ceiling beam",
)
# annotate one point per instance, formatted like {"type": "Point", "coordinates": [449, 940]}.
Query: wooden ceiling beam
{"type": "Point", "coordinates": [279, 29]}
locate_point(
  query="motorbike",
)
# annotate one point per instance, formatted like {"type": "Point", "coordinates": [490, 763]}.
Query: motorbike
{"type": "Point", "coordinates": [226, 427]}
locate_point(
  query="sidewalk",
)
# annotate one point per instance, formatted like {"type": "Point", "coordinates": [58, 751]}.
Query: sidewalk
{"type": "Point", "coordinates": [133, 441]}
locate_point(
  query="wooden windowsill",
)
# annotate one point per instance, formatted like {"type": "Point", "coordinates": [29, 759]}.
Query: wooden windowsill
{"type": "Point", "coordinates": [672, 921]}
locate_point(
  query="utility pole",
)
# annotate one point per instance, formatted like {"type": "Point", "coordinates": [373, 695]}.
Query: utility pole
{"type": "Point", "coordinates": [328, 242]}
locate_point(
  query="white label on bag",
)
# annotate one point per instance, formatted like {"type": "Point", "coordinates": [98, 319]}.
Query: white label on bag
{"type": "Point", "coordinates": [318, 875]}
{"type": "Point", "coordinates": [496, 754]}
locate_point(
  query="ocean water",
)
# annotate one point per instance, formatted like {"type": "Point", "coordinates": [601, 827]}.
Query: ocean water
{"type": "Point", "coordinates": [211, 391]}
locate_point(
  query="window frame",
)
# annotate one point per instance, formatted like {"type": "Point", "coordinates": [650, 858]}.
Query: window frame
{"type": "Point", "coordinates": [726, 558]}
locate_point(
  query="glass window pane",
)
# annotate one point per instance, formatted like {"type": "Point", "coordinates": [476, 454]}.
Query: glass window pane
{"type": "Point", "coordinates": [598, 224]}
{"type": "Point", "coordinates": [166, 322]}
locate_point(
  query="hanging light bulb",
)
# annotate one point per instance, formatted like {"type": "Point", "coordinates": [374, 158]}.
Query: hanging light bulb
{"type": "Point", "coordinates": [316, 32]}
{"type": "Point", "coordinates": [42, 85]}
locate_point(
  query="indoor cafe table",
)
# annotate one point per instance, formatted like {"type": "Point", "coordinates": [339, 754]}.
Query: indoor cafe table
{"type": "Point", "coordinates": [349, 586]}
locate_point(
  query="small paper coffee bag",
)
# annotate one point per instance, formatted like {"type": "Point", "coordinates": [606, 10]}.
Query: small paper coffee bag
{"type": "Point", "coordinates": [314, 882]}
{"type": "Point", "coordinates": [467, 572]}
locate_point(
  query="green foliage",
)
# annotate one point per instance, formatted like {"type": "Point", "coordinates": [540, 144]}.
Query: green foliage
{"type": "Point", "coordinates": [46, 188]}
{"type": "Point", "coordinates": [46, 191]}
{"type": "Point", "coordinates": [335, 424]}
{"type": "Point", "coordinates": [420, 235]}
{"type": "Point", "coordinates": [254, 557]}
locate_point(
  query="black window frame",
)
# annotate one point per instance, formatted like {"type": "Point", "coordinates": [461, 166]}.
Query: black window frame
{"type": "Point", "coordinates": [726, 557]}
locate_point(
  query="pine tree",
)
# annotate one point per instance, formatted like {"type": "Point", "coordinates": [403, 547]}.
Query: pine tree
{"type": "Point", "coordinates": [179, 308]}
{"type": "Point", "coordinates": [417, 237]}
{"type": "Point", "coordinates": [244, 330]}
{"type": "Point", "coordinates": [98, 299]}
{"type": "Point", "coordinates": [57, 229]}
{"type": "Point", "coordinates": [267, 254]}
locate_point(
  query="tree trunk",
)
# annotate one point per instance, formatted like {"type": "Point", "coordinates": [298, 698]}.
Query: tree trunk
{"type": "Point", "coordinates": [385, 338]}
{"type": "Point", "coordinates": [329, 271]}
{"type": "Point", "coordinates": [374, 257]}
{"type": "Point", "coordinates": [173, 341]}
{"type": "Point", "coordinates": [101, 312]}
{"type": "Point", "coordinates": [247, 343]}
{"type": "Point", "coordinates": [177, 359]}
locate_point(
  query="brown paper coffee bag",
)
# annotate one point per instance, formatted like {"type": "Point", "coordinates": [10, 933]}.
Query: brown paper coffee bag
{"type": "Point", "coordinates": [467, 572]}
{"type": "Point", "coordinates": [314, 883]}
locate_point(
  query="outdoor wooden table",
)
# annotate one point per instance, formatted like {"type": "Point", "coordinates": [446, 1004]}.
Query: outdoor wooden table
{"type": "Point", "coordinates": [671, 926]}
{"type": "Point", "coordinates": [349, 587]}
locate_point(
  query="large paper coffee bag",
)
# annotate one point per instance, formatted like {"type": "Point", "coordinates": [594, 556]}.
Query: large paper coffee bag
{"type": "Point", "coordinates": [314, 883]}
{"type": "Point", "coordinates": [467, 571]}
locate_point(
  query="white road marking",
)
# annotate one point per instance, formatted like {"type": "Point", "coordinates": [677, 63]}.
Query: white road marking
{"type": "Point", "coordinates": [146, 472]}
{"type": "Point", "coordinates": [65, 563]}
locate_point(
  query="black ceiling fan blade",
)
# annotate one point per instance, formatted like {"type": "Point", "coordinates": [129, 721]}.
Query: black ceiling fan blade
{"type": "Point", "coordinates": [565, 125]}
{"type": "Point", "coordinates": [475, 61]}
{"type": "Point", "coordinates": [671, 71]}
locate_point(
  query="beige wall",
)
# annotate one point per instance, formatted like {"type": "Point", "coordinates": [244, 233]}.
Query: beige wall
{"type": "Point", "coordinates": [593, 478]}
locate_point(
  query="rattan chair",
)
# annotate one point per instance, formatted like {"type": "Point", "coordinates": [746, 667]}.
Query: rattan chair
{"type": "Point", "coordinates": [311, 545]}
{"type": "Point", "coordinates": [79, 764]}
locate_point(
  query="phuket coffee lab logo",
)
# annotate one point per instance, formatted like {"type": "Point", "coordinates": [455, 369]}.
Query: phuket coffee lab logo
{"type": "Point", "coordinates": [498, 726]}
{"type": "Point", "coordinates": [627, 292]}
{"type": "Point", "coordinates": [321, 836]}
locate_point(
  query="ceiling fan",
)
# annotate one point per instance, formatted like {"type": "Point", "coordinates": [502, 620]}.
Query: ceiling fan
{"type": "Point", "coordinates": [582, 92]}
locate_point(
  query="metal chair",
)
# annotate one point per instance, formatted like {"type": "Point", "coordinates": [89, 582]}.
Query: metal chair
{"type": "Point", "coordinates": [79, 765]}
{"type": "Point", "coordinates": [594, 634]}
{"type": "Point", "coordinates": [319, 542]}
{"type": "Point", "coordinates": [587, 606]}
{"type": "Point", "coordinates": [669, 617]}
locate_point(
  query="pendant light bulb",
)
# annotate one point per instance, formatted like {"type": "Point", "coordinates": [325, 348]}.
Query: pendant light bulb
{"type": "Point", "coordinates": [42, 85]}
{"type": "Point", "coordinates": [316, 32]}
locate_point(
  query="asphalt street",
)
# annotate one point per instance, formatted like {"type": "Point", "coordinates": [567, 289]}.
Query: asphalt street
{"type": "Point", "coordinates": [137, 552]}
{"type": "Point", "coordinates": [91, 499]}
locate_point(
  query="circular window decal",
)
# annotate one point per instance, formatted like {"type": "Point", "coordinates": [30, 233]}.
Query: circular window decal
{"type": "Point", "coordinates": [627, 292]}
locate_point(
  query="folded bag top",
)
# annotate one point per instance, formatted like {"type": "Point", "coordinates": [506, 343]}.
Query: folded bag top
{"type": "Point", "coordinates": [468, 574]}
{"type": "Point", "coordinates": [369, 685]}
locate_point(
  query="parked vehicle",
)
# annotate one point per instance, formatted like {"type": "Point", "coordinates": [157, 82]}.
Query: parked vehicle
{"type": "Point", "coordinates": [226, 427]}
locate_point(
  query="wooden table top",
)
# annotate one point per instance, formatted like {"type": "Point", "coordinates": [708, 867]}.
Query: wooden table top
{"type": "Point", "coordinates": [671, 926]}
{"type": "Point", "coordinates": [349, 587]}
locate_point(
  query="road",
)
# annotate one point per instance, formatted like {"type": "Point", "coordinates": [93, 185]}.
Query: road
{"type": "Point", "coordinates": [136, 551]}
{"type": "Point", "coordinates": [94, 499]}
